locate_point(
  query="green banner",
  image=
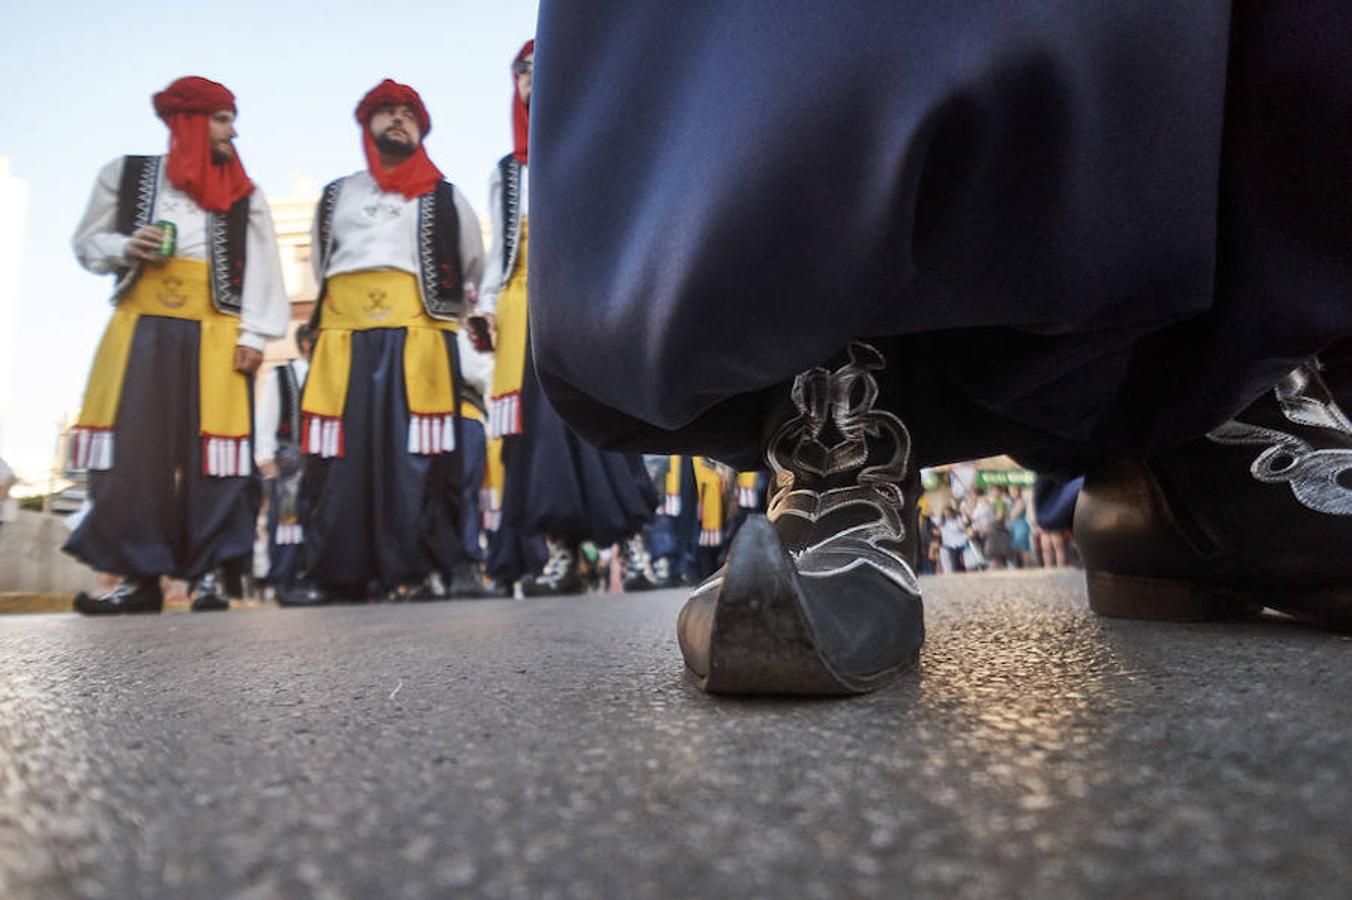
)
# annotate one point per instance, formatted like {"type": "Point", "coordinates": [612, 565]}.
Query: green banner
{"type": "Point", "coordinates": [1004, 478]}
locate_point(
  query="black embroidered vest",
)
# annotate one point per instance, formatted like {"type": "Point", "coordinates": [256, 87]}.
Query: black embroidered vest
{"type": "Point", "coordinates": [470, 395]}
{"type": "Point", "coordinates": [439, 279]}
{"type": "Point", "coordinates": [510, 168]}
{"type": "Point", "coordinates": [288, 422]}
{"type": "Point", "coordinates": [225, 233]}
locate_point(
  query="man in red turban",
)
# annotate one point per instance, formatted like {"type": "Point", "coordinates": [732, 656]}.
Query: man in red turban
{"type": "Point", "coordinates": [165, 428]}
{"type": "Point", "coordinates": [394, 124]}
{"type": "Point", "coordinates": [202, 160]}
{"type": "Point", "coordinates": [545, 492]}
{"type": "Point", "coordinates": [398, 254]}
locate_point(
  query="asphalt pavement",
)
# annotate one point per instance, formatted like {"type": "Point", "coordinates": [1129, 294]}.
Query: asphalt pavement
{"type": "Point", "coordinates": [556, 748]}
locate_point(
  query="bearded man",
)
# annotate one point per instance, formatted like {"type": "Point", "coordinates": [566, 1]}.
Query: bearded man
{"type": "Point", "coordinates": [398, 252]}
{"type": "Point", "coordinates": [165, 428]}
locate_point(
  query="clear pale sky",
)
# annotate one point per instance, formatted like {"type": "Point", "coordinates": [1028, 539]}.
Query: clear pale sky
{"type": "Point", "coordinates": [77, 83]}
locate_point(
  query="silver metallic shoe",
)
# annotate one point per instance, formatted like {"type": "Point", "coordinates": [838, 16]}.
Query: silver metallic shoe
{"type": "Point", "coordinates": [820, 595]}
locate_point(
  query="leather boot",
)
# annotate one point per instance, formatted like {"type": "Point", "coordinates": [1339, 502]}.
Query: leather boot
{"type": "Point", "coordinates": [1256, 514]}
{"type": "Point", "coordinates": [467, 583]}
{"type": "Point", "coordinates": [638, 566]}
{"type": "Point", "coordinates": [310, 593]}
{"type": "Point", "coordinates": [560, 574]}
{"type": "Point", "coordinates": [820, 595]}
{"type": "Point", "coordinates": [208, 595]}
{"type": "Point", "coordinates": [131, 595]}
{"type": "Point", "coordinates": [662, 572]}
{"type": "Point", "coordinates": [428, 590]}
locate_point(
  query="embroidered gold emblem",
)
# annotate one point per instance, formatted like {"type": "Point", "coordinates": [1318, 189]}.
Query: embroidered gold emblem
{"type": "Point", "coordinates": [378, 311]}
{"type": "Point", "coordinates": [171, 295]}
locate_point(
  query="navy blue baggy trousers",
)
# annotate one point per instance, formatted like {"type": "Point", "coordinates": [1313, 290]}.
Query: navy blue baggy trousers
{"type": "Point", "coordinates": [154, 512]}
{"type": "Point", "coordinates": [378, 513]}
{"type": "Point", "coordinates": [557, 484]}
{"type": "Point", "coordinates": [1073, 228]}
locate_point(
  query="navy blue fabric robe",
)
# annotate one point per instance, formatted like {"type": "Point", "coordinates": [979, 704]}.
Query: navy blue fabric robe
{"type": "Point", "coordinates": [1073, 228]}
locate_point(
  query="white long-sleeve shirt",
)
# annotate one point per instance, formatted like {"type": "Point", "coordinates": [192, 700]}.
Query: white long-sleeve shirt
{"type": "Point", "coordinates": [494, 278]}
{"type": "Point", "coordinates": [268, 410]}
{"type": "Point", "coordinates": [476, 367]}
{"type": "Point", "coordinates": [264, 308]}
{"type": "Point", "coordinates": [376, 229]}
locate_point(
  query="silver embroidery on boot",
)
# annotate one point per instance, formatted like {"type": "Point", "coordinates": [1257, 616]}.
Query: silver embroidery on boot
{"type": "Point", "coordinates": [1318, 478]}
{"type": "Point", "coordinates": [829, 437]}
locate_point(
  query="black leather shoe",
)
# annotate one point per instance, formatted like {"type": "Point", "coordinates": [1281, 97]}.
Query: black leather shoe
{"type": "Point", "coordinates": [819, 596]}
{"type": "Point", "coordinates": [638, 572]}
{"type": "Point", "coordinates": [1336, 369]}
{"type": "Point", "coordinates": [1256, 514]}
{"type": "Point", "coordinates": [560, 574]}
{"type": "Point", "coordinates": [662, 573]}
{"type": "Point", "coordinates": [307, 593]}
{"type": "Point", "coordinates": [467, 583]}
{"type": "Point", "coordinates": [128, 596]}
{"type": "Point", "coordinates": [425, 591]}
{"type": "Point", "coordinates": [302, 594]}
{"type": "Point", "coordinates": [208, 595]}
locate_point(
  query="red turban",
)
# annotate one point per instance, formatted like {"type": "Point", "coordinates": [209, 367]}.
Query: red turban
{"type": "Point", "coordinates": [185, 106]}
{"type": "Point", "coordinates": [414, 176]}
{"type": "Point", "coordinates": [520, 109]}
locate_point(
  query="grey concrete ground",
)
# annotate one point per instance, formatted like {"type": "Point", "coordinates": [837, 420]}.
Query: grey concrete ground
{"type": "Point", "coordinates": [556, 749]}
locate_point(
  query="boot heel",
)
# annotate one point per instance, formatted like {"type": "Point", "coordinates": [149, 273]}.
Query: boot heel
{"type": "Point", "coordinates": [761, 642]}
{"type": "Point", "coordinates": [1164, 599]}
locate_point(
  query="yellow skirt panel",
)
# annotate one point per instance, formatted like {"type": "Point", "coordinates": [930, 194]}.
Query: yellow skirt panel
{"type": "Point", "coordinates": [363, 301]}
{"type": "Point", "coordinates": [176, 289]}
{"type": "Point", "coordinates": [504, 405]}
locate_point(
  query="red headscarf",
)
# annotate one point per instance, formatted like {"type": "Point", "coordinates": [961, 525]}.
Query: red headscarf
{"type": "Point", "coordinates": [414, 176]}
{"type": "Point", "coordinates": [185, 106]}
{"type": "Point", "coordinates": [520, 109]}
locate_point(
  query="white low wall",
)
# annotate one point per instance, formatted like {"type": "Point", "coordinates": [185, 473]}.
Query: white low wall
{"type": "Point", "coordinates": [31, 560]}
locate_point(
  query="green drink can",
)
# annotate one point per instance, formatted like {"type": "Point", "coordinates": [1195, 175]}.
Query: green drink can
{"type": "Point", "coordinates": [170, 232]}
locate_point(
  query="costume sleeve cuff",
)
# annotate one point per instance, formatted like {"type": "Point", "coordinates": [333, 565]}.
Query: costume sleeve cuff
{"type": "Point", "coordinates": [121, 245]}
{"type": "Point", "coordinates": [252, 340]}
